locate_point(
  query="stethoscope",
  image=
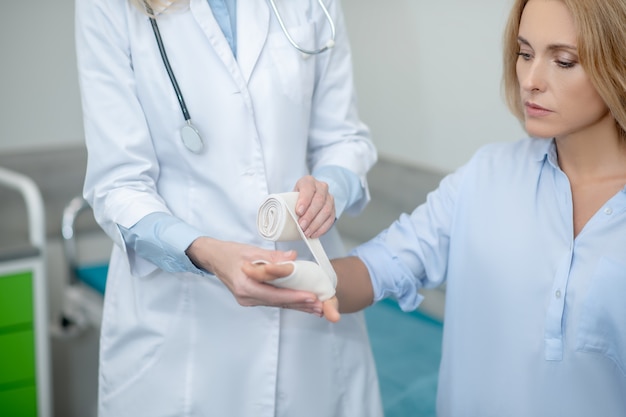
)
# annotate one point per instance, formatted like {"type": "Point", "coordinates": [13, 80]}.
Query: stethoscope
{"type": "Point", "coordinates": [328, 45]}
{"type": "Point", "coordinates": [189, 134]}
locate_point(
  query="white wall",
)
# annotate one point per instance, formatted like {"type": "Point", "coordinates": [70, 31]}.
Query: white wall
{"type": "Point", "coordinates": [427, 73]}
{"type": "Point", "coordinates": [428, 76]}
{"type": "Point", "coordinates": [39, 99]}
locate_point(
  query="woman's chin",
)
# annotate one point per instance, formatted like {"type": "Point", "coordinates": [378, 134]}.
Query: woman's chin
{"type": "Point", "coordinates": [534, 132]}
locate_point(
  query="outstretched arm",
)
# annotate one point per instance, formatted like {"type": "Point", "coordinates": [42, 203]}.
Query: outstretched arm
{"type": "Point", "coordinates": [354, 286]}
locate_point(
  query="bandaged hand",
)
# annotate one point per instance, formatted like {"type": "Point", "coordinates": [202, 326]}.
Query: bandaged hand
{"type": "Point", "coordinates": [225, 260]}
{"type": "Point", "coordinates": [277, 221]}
{"type": "Point", "coordinates": [297, 275]}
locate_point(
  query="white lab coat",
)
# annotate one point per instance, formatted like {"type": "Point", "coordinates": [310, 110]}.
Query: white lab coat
{"type": "Point", "coordinates": [179, 344]}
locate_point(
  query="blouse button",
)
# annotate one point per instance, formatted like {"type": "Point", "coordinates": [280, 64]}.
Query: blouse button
{"type": "Point", "coordinates": [558, 294]}
{"type": "Point", "coordinates": [608, 211]}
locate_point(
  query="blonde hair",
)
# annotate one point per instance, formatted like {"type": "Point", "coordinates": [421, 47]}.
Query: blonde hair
{"type": "Point", "coordinates": [601, 28]}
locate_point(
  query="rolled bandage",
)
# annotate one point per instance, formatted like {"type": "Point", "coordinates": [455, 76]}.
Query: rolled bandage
{"type": "Point", "coordinates": [306, 276]}
{"type": "Point", "coordinates": [277, 221]}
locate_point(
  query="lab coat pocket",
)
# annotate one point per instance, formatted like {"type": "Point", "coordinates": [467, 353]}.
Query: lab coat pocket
{"type": "Point", "coordinates": [293, 70]}
{"type": "Point", "coordinates": [602, 328]}
{"type": "Point", "coordinates": [142, 314]}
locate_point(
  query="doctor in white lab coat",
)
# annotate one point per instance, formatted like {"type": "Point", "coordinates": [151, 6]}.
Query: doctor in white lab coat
{"type": "Point", "coordinates": [179, 335]}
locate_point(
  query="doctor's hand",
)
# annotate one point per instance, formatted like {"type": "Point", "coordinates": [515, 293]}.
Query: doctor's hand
{"type": "Point", "coordinates": [265, 273]}
{"type": "Point", "coordinates": [225, 260]}
{"type": "Point", "coordinates": [315, 206]}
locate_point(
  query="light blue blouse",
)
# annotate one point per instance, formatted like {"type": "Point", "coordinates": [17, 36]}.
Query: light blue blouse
{"type": "Point", "coordinates": [535, 319]}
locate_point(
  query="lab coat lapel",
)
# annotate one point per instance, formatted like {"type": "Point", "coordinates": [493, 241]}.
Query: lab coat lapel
{"type": "Point", "coordinates": [203, 15]}
{"type": "Point", "coordinates": [253, 17]}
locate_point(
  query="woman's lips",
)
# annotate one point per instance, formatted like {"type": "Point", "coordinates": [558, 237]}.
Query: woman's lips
{"type": "Point", "coordinates": [534, 110]}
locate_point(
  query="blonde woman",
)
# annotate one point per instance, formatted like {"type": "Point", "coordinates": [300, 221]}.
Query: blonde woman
{"type": "Point", "coordinates": [530, 236]}
{"type": "Point", "coordinates": [194, 112]}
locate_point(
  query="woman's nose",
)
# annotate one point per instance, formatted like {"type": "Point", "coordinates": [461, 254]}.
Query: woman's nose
{"type": "Point", "coordinates": [532, 76]}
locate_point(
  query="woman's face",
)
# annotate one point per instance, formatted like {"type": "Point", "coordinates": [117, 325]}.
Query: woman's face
{"type": "Point", "coordinates": [557, 95]}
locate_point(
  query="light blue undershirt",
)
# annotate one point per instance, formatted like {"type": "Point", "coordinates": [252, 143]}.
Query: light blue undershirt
{"type": "Point", "coordinates": [225, 12]}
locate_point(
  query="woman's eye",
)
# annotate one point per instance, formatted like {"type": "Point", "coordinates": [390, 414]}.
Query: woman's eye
{"type": "Point", "coordinates": [524, 55]}
{"type": "Point", "coordinates": [565, 64]}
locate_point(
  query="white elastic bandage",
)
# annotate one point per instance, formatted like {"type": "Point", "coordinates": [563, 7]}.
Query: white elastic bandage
{"type": "Point", "coordinates": [306, 276]}
{"type": "Point", "coordinates": [277, 221]}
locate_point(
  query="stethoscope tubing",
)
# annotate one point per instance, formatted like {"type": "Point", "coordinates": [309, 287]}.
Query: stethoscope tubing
{"type": "Point", "coordinates": [328, 44]}
{"type": "Point", "coordinates": [168, 67]}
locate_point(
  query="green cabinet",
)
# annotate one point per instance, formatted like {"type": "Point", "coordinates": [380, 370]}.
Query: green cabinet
{"type": "Point", "coordinates": [18, 385]}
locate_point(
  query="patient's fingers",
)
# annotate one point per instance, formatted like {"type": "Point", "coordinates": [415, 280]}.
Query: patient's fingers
{"type": "Point", "coordinates": [262, 271]}
{"type": "Point", "coordinates": [330, 309]}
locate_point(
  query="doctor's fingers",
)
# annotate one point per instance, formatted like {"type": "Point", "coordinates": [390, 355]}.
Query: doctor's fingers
{"type": "Point", "coordinates": [310, 191]}
{"type": "Point", "coordinates": [324, 221]}
{"type": "Point", "coordinates": [319, 215]}
{"type": "Point", "coordinates": [266, 272]}
{"type": "Point", "coordinates": [268, 295]}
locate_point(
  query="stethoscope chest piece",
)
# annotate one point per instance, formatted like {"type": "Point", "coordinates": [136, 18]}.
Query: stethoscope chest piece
{"type": "Point", "coordinates": [191, 138]}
